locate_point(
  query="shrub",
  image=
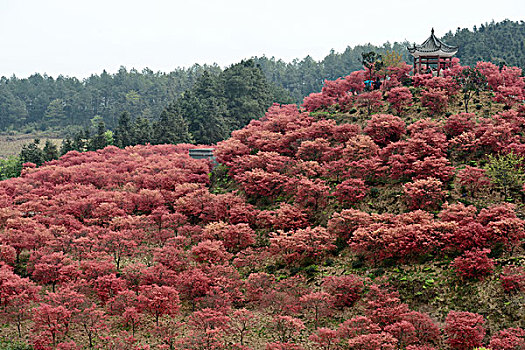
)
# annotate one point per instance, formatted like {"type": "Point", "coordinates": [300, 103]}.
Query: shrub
{"type": "Point", "coordinates": [345, 290]}
{"type": "Point", "coordinates": [464, 330]}
{"type": "Point", "coordinates": [474, 264]}
{"type": "Point", "coordinates": [350, 191]}
{"type": "Point", "coordinates": [385, 128]}
{"type": "Point", "coordinates": [399, 97]}
{"type": "Point", "coordinates": [508, 339]}
{"type": "Point", "coordinates": [426, 194]}
{"type": "Point", "coordinates": [513, 279]}
{"type": "Point", "coordinates": [436, 100]}
{"type": "Point", "coordinates": [473, 179]}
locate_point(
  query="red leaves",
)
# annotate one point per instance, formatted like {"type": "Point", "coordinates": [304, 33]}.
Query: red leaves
{"type": "Point", "coordinates": [426, 194]}
{"type": "Point", "coordinates": [351, 191]}
{"type": "Point", "coordinates": [159, 300]}
{"type": "Point", "coordinates": [399, 98]}
{"type": "Point", "coordinates": [473, 264]}
{"type": "Point", "coordinates": [345, 290]}
{"type": "Point", "coordinates": [508, 339]}
{"type": "Point", "coordinates": [464, 330]}
{"type": "Point", "coordinates": [385, 128]}
{"type": "Point", "coordinates": [303, 245]}
{"type": "Point", "coordinates": [513, 279]}
{"type": "Point", "coordinates": [436, 100]}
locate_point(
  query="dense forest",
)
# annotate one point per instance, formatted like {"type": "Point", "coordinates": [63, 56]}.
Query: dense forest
{"type": "Point", "coordinates": [369, 218]}
{"type": "Point", "coordinates": [67, 104]}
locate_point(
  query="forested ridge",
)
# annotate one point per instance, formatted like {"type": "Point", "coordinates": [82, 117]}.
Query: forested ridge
{"type": "Point", "coordinates": [67, 104]}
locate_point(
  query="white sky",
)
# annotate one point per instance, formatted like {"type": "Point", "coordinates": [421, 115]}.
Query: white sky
{"type": "Point", "coordinates": [81, 37]}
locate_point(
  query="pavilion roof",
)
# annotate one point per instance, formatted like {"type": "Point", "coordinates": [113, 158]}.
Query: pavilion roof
{"type": "Point", "coordinates": [433, 47]}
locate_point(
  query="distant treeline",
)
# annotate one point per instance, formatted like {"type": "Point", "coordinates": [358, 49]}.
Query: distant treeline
{"type": "Point", "coordinates": [221, 100]}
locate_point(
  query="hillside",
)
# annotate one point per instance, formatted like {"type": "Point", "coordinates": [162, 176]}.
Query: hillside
{"type": "Point", "coordinates": [384, 219]}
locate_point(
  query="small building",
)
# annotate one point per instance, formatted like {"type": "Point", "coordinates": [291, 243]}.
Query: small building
{"type": "Point", "coordinates": [202, 153]}
{"type": "Point", "coordinates": [433, 53]}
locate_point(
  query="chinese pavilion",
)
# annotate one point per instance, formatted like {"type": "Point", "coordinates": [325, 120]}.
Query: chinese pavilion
{"type": "Point", "coordinates": [432, 52]}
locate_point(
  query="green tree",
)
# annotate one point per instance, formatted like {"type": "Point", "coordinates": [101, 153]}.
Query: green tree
{"type": "Point", "coordinates": [372, 62]}
{"type": "Point", "coordinates": [204, 108]}
{"type": "Point", "coordinates": [471, 82]}
{"type": "Point", "coordinates": [50, 151]}
{"type": "Point", "coordinates": [67, 145]}
{"type": "Point", "coordinates": [171, 128]}
{"type": "Point", "coordinates": [247, 93]}
{"type": "Point", "coordinates": [55, 113]}
{"type": "Point", "coordinates": [123, 133]}
{"type": "Point", "coordinates": [506, 172]}
{"type": "Point", "coordinates": [32, 153]}
{"type": "Point", "coordinates": [141, 131]}
{"type": "Point", "coordinates": [10, 167]}
{"type": "Point", "coordinates": [98, 141]}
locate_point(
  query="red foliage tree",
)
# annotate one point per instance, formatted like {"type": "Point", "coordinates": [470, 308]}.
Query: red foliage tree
{"type": "Point", "coordinates": [242, 322]}
{"type": "Point", "coordinates": [286, 328]}
{"type": "Point", "coordinates": [301, 246]}
{"type": "Point", "coordinates": [399, 98]}
{"type": "Point", "coordinates": [345, 290]}
{"type": "Point", "coordinates": [473, 179]}
{"type": "Point", "coordinates": [258, 182]}
{"type": "Point", "coordinates": [51, 323]}
{"type": "Point", "coordinates": [132, 317]}
{"type": "Point", "coordinates": [317, 100]}
{"type": "Point", "coordinates": [424, 194]}
{"type": "Point", "coordinates": [372, 101]}
{"type": "Point", "coordinates": [16, 296]}
{"type": "Point", "coordinates": [211, 252]}
{"type": "Point", "coordinates": [436, 100]}
{"type": "Point", "coordinates": [473, 264]}
{"type": "Point", "coordinates": [159, 300]}
{"type": "Point", "coordinates": [508, 339]}
{"type": "Point", "coordinates": [383, 341]}
{"type": "Point", "coordinates": [513, 279]}
{"type": "Point", "coordinates": [344, 224]}
{"type": "Point", "coordinates": [325, 338]}
{"type": "Point", "coordinates": [350, 191]}
{"type": "Point", "coordinates": [207, 328]}
{"type": "Point", "coordinates": [385, 128]}
{"type": "Point", "coordinates": [53, 268]}
{"type": "Point", "coordinates": [318, 304]}
{"type": "Point", "coordinates": [457, 124]}
{"type": "Point", "coordinates": [464, 330]}
{"type": "Point", "coordinates": [234, 237]}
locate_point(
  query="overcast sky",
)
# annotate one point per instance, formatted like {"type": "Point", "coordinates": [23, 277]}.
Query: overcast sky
{"type": "Point", "coordinates": [82, 37]}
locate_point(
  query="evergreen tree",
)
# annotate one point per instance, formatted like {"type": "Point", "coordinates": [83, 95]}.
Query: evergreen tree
{"type": "Point", "coordinates": [50, 151]}
{"type": "Point", "coordinates": [32, 153]}
{"type": "Point", "coordinates": [67, 145]}
{"type": "Point", "coordinates": [79, 142]}
{"type": "Point", "coordinates": [99, 139]}
{"type": "Point", "coordinates": [171, 128]}
{"type": "Point", "coordinates": [123, 133]}
{"type": "Point", "coordinates": [247, 93]}
{"type": "Point", "coordinates": [141, 131]}
{"type": "Point", "coordinates": [204, 107]}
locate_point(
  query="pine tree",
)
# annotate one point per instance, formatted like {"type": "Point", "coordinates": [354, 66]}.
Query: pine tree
{"type": "Point", "coordinates": [123, 133]}
{"type": "Point", "coordinates": [50, 151]}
